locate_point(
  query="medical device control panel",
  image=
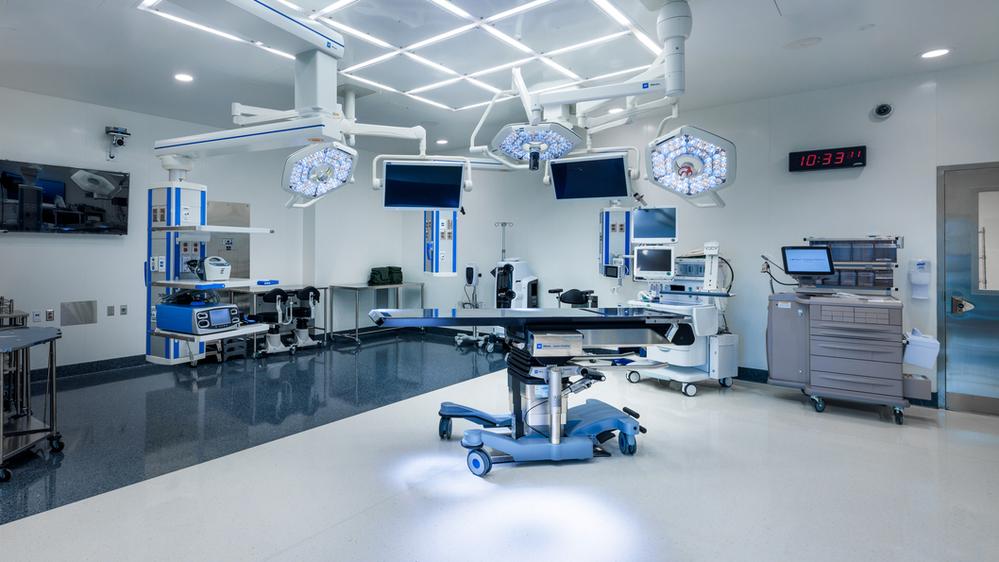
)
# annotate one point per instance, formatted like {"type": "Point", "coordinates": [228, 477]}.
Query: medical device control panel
{"type": "Point", "coordinates": [440, 243]}
{"type": "Point", "coordinates": [197, 320]}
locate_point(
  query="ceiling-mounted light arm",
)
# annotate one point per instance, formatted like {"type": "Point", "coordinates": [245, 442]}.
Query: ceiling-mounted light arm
{"type": "Point", "coordinates": [673, 26]}
{"type": "Point", "coordinates": [673, 115]}
{"type": "Point", "coordinates": [417, 133]}
{"type": "Point", "coordinates": [526, 98]}
{"type": "Point", "coordinates": [308, 30]}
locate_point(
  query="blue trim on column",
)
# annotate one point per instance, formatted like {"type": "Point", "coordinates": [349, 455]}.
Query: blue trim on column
{"type": "Point", "coordinates": [295, 21]}
{"type": "Point", "coordinates": [234, 137]}
{"type": "Point", "coordinates": [437, 241]}
{"type": "Point", "coordinates": [607, 220]}
{"type": "Point", "coordinates": [147, 274]}
{"type": "Point", "coordinates": [454, 242]}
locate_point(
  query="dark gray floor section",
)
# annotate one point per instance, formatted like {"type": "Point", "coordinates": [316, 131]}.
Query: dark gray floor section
{"type": "Point", "coordinates": [128, 425]}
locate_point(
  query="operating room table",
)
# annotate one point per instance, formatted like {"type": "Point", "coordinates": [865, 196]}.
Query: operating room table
{"type": "Point", "coordinates": [546, 345]}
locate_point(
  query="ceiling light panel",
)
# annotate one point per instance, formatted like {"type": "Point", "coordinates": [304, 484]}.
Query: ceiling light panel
{"type": "Point", "coordinates": [399, 23]}
{"type": "Point", "coordinates": [624, 51]}
{"type": "Point", "coordinates": [459, 94]}
{"type": "Point", "coordinates": [402, 73]}
{"type": "Point", "coordinates": [471, 51]}
{"type": "Point", "coordinates": [519, 9]}
{"type": "Point", "coordinates": [559, 24]}
{"type": "Point", "coordinates": [535, 73]}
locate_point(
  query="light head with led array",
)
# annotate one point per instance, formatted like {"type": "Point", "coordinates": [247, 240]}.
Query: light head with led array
{"type": "Point", "coordinates": [691, 162]}
{"type": "Point", "coordinates": [534, 143]}
{"type": "Point", "coordinates": [318, 169]}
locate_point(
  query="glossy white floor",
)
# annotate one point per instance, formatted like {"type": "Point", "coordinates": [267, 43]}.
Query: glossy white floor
{"type": "Point", "coordinates": [751, 473]}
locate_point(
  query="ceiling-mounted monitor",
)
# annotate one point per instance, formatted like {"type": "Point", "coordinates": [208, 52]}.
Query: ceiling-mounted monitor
{"type": "Point", "coordinates": [61, 199]}
{"type": "Point", "coordinates": [421, 185]}
{"type": "Point", "coordinates": [653, 225]}
{"type": "Point", "coordinates": [595, 176]}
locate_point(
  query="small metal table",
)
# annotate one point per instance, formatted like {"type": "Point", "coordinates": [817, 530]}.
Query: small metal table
{"type": "Point", "coordinates": [358, 288]}
{"type": "Point", "coordinates": [20, 429]}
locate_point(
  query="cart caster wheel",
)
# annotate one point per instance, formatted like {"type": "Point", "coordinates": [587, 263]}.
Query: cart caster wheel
{"type": "Point", "coordinates": [5, 475]}
{"type": "Point", "coordinates": [479, 462]}
{"type": "Point", "coordinates": [57, 444]}
{"type": "Point", "coordinates": [634, 376]}
{"type": "Point", "coordinates": [293, 349]}
{"type": "Point", "coordinates": [627, 443]}
{"type": "Point", "coordinates": [688, 389]}
{"type": "Point", "coordinates": [899, 416]}
{"type": "Point", "coordinates": [490, 347]}
{"type": "Point", "coordinates": [725, 382]}
{"type": "Point", "coordinates": [820, 404]}
{"type": "Point", "coordinates": [803, 391]}
{"type": "Point", "coordinates": [444, 428]}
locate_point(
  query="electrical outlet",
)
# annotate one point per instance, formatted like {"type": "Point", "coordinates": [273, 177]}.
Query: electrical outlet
{"type": "Point", "coordinates": [123, 309]}
{"type": "Point", "coordinates": [110, 310]}
{"type": "Point", "coordinates": [36, 315]}
{"type": "Point", "coordinates": [50, 315]}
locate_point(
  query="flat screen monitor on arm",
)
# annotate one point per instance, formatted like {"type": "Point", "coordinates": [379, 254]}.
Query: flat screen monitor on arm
{"type": "Point", "coordinates": [424, 185]}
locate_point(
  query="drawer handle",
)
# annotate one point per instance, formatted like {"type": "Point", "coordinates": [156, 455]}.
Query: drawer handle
{"type": "Point", "coordinates": [845, 379]}
{"type": "Point", "coordinates": [853, 348]}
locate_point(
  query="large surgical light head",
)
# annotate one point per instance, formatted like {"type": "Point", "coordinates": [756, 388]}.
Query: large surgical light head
{"type": "Point", "coordinates": [534, 143]}
{"type": "Point", "coordinates": [691, 162]}
{"type": "Point", "coordinates": [318, 169]}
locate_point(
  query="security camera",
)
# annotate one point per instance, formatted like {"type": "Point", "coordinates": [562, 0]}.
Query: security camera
{"type": "Point", "coordinates": [883, 110]}
{"type": "Point", "coordinates": [116, 139]}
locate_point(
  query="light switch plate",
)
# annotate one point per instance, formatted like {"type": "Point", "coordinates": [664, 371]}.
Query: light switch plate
{"type": "Point", "coordinates": [36, 315]}
{"type": "Point", "coordinates": [50, 315]}
{"type": "Point", "coordinates": [123, 309]}
{"type": "Point", "coordinates": [110, 310]}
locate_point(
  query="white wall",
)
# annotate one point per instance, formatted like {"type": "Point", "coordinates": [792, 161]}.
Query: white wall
{"type": "Point", "coordinates": [940, 118]}
{"type": "Point", "coordinates": [40, 271]}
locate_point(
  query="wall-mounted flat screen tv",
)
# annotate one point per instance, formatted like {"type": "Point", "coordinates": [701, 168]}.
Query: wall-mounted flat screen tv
{"type": "Point", "coordinates": [60, 199]}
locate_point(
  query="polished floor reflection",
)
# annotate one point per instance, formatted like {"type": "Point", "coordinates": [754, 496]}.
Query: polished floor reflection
{"type": "Point", "coordinates": [125, 426]}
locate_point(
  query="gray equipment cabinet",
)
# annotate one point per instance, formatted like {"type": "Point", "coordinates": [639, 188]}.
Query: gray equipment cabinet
{"type": "Point", "coordinates": [846, 348]}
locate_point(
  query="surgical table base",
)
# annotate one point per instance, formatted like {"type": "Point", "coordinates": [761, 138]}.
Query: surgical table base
{"type": "Point", "coordinates": [579, 431]}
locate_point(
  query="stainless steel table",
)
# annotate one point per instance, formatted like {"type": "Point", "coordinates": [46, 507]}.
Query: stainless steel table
{"type": "Point", "coordinates": [20, 429]}
{"type": "Point", "coordinates": [358, 288]}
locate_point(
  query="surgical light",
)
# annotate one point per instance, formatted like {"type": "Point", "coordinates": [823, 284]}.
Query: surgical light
{"type": "Point", "coordinates": [545, 141]}
{"type": "Point", "coordinates": [318, 169]}
{"type": "Point", "coordinates": [691, 162]}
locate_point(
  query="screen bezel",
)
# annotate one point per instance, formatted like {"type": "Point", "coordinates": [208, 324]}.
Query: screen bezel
{"type": "Point", "coordinates": [652, 241]}
{"type": "Point", "coordinates": [623, 156]}
{"type": "Point", "coordinates": [219, 310]}
{"type": "Point", "coordinates": [832, 267]}
{"type": "Point", "coordinates": [638, 274]}
{"type": "Point", "coordinates": [461, 191]}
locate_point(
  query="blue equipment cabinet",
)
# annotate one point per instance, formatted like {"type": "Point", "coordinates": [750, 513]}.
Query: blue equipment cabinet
{"type": "Point", "coordinates": [440, 243]}
{"type": "Point", "coordinates": [615, 242]}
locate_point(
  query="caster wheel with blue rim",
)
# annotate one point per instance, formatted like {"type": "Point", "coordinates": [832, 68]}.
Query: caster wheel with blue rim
{"type": "Point", "coordinates": [444, 428]}
{"type": "Point", "coordinates": [479, 462]}
{"type": "Point", "coordinates": [627, 443]}
{"type": "Point", "coordinates": [5, 475]}
{"type": "Point", "coordinates": [820, 404]}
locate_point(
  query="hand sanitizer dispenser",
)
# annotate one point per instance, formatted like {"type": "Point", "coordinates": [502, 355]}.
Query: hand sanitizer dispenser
{"type": "Point", "coordinates": [919, 278]}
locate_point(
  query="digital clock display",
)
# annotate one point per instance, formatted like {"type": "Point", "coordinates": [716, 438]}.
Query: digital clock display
{"type": "Point", "coordinates": [827, 159]}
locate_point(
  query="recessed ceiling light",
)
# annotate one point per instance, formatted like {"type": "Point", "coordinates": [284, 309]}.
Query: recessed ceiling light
{"type": "Point", "coordinates": [441, 141]}
{"type": "Point", "coordinates": [182, 77]}
{"type": "Point", "coordinates": [803, 43]}
{"type": "Point", "coordinates": [615, 110]}
{"type": "Point", "coordinates": [935, 53]}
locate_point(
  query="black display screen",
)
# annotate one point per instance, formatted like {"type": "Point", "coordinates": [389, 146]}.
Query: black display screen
{"type": "Point", "coordinates": [586, 179]}
{"type": "Point", "coordinates": [423, 186]}
{"type": "Point", "coordinates": [60, 199]}
{"type": "Point", "coordinates": [827, 159]}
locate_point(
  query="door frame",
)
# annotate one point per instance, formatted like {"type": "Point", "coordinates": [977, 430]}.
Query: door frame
{"type": "Point", "coordinates": [942, 272]}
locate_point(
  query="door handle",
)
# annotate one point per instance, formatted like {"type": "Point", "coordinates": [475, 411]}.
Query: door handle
{"type": "Point", "coordinates": [960, 306]}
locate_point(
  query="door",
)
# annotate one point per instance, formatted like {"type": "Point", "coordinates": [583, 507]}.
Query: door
{"type": "Point", "coordinates": [968, 317]}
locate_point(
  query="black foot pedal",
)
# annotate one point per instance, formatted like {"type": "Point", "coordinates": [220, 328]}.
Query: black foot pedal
{"type": "Point", "coordinates": [641, 429]}
{"type": "Point", "coordinates": [630, 412]}
{"type": "Point", "coordinates": [605, 436]}
{"type": "Point", "coordinates": [600, 452]}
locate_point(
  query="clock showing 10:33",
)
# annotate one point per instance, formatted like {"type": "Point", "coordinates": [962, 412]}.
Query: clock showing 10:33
{"type": "Point", "coordinates": [827, 159]}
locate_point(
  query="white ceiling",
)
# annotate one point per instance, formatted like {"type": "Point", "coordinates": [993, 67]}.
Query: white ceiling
{"type": "Point", "coordinates": [110, 53]}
